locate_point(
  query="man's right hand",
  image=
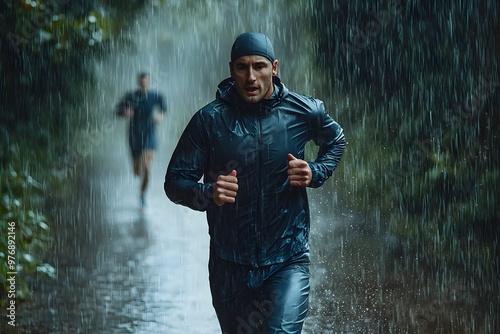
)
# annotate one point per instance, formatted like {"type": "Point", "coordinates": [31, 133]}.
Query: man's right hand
{"type": "Point", "coordinates": [225, 189]}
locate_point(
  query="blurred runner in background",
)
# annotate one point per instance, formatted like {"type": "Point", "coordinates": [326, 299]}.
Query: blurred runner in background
{"type": "Point", "coordinates": [145, 109]}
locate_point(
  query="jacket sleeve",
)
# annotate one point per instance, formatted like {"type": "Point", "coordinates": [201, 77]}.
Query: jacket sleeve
{"type": "Point", "coordinates": [329, 137]}
{"type": "Point", "coordinates": [182, 180]}
{"type": "Point", "coordinates": [162, 103]}
{"type": "Point", "coordinates": [124, 103]}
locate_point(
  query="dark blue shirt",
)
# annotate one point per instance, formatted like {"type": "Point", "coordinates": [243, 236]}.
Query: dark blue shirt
{"type": "Point", "coordinates": [142, 126]}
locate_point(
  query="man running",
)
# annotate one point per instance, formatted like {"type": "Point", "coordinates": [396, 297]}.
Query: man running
{"type": "Point", "coordinates": [140, 106]}
{"type": "Point", "coordinates": [248, 145]}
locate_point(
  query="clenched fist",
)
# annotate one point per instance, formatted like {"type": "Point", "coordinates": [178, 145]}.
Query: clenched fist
{"type": "Point", "coordinates": [225, 189]}
{"type": "Point", "coordinates": [299, 172]}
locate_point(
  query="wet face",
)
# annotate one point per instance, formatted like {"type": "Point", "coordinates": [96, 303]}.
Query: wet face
{"type": "Point", "coordinates": [144, 83]}
{"type": "Point", "coordinates": [253, 77]}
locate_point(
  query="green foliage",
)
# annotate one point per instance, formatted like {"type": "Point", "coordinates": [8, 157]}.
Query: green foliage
{"type": "Point", "coordinates": [20, 214]}
{"type": "Point", "coordinates": [423, 88]}
{"type": "Point", "coordinates": [47, 48]}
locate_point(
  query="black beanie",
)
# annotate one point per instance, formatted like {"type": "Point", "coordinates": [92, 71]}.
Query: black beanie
{"type": "Point", "coordinates": [252, 43]}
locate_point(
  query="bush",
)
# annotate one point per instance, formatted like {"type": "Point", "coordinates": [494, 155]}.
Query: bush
{"type": "Point", "coordinates": [25, 230]}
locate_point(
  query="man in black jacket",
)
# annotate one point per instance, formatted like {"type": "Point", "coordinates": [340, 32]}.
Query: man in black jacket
{"type": "Point", "coordinates": [248, 145]}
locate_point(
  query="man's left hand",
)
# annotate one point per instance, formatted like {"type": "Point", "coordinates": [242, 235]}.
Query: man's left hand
{"type": "Point", "coordinates": [299, 172]}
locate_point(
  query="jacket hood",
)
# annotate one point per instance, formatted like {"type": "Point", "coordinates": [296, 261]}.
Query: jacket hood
{"type": "Point", "coordinates": [228, 93]}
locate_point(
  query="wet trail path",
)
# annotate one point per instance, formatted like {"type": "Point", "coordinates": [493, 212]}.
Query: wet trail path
{"type": "Point", "coordinates": [132, 272]}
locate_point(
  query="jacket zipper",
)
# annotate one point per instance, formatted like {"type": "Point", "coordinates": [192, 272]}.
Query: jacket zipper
{"type": "Point", "coordinates": [260, 198]}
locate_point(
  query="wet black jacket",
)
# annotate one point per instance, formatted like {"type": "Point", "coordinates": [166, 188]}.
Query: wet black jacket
{"type": "Point", "coordinates": [269, 222]}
